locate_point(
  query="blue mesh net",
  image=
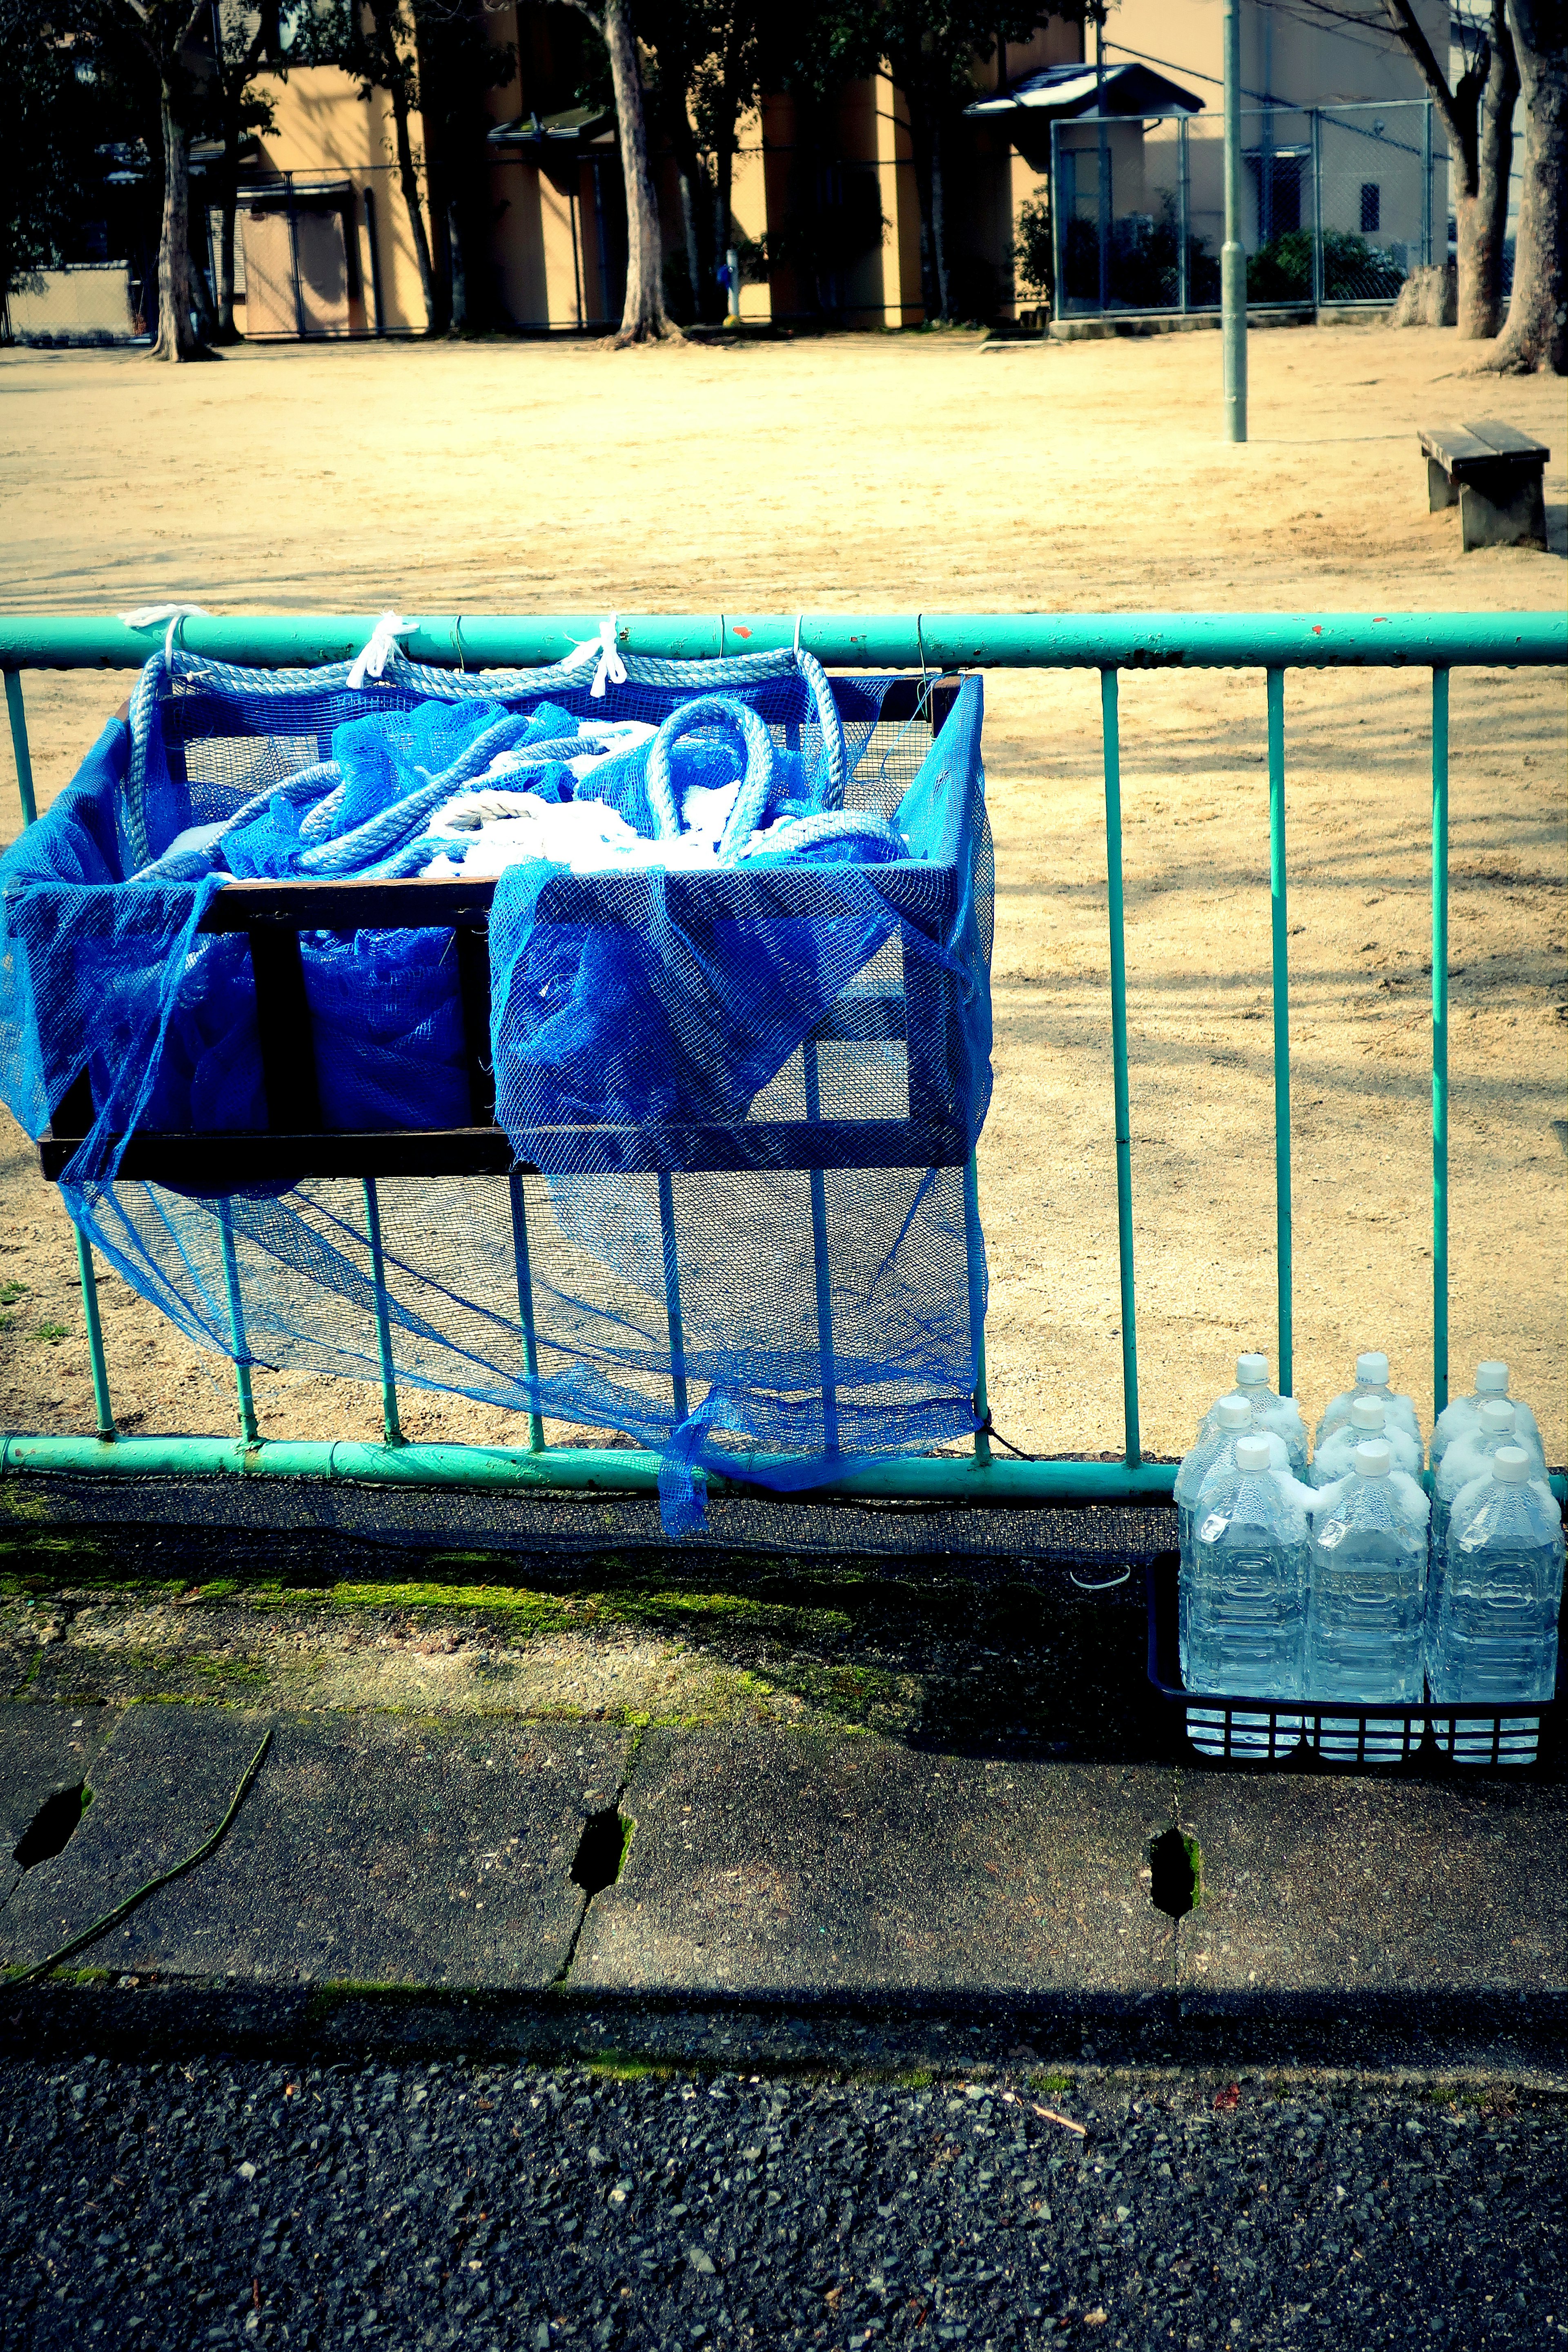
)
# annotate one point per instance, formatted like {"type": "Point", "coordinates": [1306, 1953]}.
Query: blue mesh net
{"type": "Point", "coordinates": [739, 1095]}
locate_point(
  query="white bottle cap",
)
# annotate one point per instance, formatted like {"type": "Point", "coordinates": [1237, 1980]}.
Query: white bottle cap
{"type": "Point", "coordinates": [1509, 1465]}
{"type": "Point", "coordinates": [1367, 1412]}
{"type": "Point", "coordinates": [1491, 1380]}
{"type": "Point", "coordinates": [1371, 1371]}
{"type": "Point", "coordinates": [1495, 1417]}
{"type": "Point", "coordinates": [1375, 1458]}
{"type": "Point", "coordinates": [1252, 1453]}
{"type": "Point", "coordinates": [1233, 1413]}
{"type": "Point", "coordinates": [1251, 1371]}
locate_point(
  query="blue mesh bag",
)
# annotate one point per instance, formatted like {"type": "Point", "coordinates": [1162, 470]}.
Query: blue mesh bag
{"type": "Point", "coordinates": [735, 1095]}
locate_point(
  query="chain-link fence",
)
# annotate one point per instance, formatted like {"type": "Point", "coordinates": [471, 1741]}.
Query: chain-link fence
{"type": "Point", "coordinates": [91, 303]}
{"type": "Point", "coordinates": [1339, 204]}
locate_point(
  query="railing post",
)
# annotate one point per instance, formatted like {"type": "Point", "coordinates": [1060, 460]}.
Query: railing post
{"type": "Point", "coordinates": [24, 757]}
{"type": "Point", "coordinates": [1281, 998]}
{"type": "Point", "coordinates": [391, 1426]}
{"type": "Point", "coordinates": [238, 1345]}
{"type": "Point", "coordinates": [1317, 147]}
{"type": "Point", "coordinates": [974, 1260]}
{"type": "Point", "coordinates": [1439, 1040]}
{"type": "Point", "coordinates": [672, 1295]}
{"type": "Point", "coordinates": [104, 1409]}
{"type": "Point", "coordinates": [823, 1264]}
{"type": "Point", "coordinates": [526, 1310]}
{"type": "Point", "coordinates": [1110, 724]}
{"type": "Point", "coordinates": [1057, 241]}
{"type": "Point", "coordinates": [1184, 218]}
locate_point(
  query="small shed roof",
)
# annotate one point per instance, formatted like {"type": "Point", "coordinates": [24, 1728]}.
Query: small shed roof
{"type": "Point", "coordinates": [1067, 90]}
{"type": "Point", "coordinates": [578, 126]}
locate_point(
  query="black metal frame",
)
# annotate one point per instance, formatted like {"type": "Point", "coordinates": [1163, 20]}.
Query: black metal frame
{"type": "Point", "coordinates": [294, 1144]}
{"type": "Point", "coordinates": [1276, 1729]}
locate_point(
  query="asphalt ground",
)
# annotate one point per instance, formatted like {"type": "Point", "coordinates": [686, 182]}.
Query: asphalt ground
{"type": "Point", "coordinates": [212, 2200]}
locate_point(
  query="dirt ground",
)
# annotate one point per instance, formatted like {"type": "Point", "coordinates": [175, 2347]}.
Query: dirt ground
{"type": "Point", "coordinates": [939, 473]}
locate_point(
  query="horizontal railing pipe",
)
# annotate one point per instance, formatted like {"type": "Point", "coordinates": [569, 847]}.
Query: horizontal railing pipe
{"type": "Point", "coordinates": [957, 1479]}
{"type": "Point", "coordinates": [891, 641]}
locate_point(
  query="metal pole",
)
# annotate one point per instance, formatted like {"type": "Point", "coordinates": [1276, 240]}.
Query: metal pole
{"type": "Point", "coordinates": [1426, 189]}
{"type": "Point", "coordinates": [23, 758]}
{"type": "Point", "coordinates": [975, 1254]}
{"type": "Point", "coordinates": [526, 1310]}
{"type": "Point", "coordinates": [732, 263]}
{"type": "Point", "coordinates": [1233, 258]}
{"type": "Point", "coordinates": [1276, 681]}
{"type": "Point", "coordinates": [1317, 143]}
{"type": "Point", "coordinates": [390, 1423]}
{"type": "Point", "coordinates": [823, 1264]}
{"type": "Point", "coordinates": [238, 1345]}
{"type": "Point", "coordinates": [1103, 176]}
{"type": "Point", "coordinates": [1439, 1040]}
{"type": "Point", "coordinates": [294, 257]}
{"type": "Point", "coordinates": [1111, 730]}
{"type": "Point", "coordinates": [1184, 215]}
{"type": "Point", "coordinates": [672, 1295]}
{"type": "Point", "coordinates": [94, 1337]}
{"type": "Point", "coordinates": [1057, 241]}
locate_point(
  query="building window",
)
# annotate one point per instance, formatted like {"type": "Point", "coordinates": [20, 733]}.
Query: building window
{"type": "Point", "coordinates": [1371, 207]}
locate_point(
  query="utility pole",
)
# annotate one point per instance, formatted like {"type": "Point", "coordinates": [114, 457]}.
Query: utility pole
{"type": "Point", "coordinates": [1233, 258]}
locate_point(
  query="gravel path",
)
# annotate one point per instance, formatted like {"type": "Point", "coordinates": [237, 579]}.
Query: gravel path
{"type": "Point", "coordinates": [177, 2205]}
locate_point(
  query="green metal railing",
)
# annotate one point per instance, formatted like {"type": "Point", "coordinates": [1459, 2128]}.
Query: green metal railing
{"type": "Point", "coordinates": [1110, 643]}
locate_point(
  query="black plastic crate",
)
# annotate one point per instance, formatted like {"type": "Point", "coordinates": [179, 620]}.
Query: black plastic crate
{"type": "Point", "coordinates": [1228, 1727]}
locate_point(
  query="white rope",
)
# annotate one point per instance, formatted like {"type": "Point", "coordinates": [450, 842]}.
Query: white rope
{"type": "Point", "coordinates": [152, 617]}
{"type": "Point", "coordinates": [611, 670]}
{"type": "Point", "coordinates": [371, 660]}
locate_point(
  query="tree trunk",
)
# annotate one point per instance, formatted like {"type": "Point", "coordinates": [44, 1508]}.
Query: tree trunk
{"type": "Point", "coordinates": [175, 339]}
{"type": "Point", "coordinates": [409, 178]}
{"type": "Point", "coordinates": [1536, 336]}
{"type": "Point", "coordinates": [1494, 162]}
{"type": "Point", "coordinates": [643, 319]}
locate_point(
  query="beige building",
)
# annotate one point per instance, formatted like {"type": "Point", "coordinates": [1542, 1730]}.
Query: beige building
{"type": "Point", "coordinates": [825, 216]}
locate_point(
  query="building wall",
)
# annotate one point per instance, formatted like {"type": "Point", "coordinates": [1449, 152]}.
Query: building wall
{"type": "Point", "coordinates": [324, 131]}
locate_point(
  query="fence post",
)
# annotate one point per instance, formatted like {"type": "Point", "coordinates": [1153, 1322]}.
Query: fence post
{"type": "Point", "coordinates": [24, 757]}
{"type": "Point", "coordinates": [1317, 120]}
{"type": "Point", "coordinates": [975, 1254]}
{"type": "Point", "coordinates": [1233, 256]}
{"type": "Point", "coordinates": [391, 1428]}
{"type": "Point", "coordinates": [1281, 994]}
{"type": "Point", "coordinates": [1057, 242]}
{"type": "Point", "coordinates": [238, 1345]}
{"type": "Point", "coordinates": [526, 1310]}
{"type": "Point", "coordinates": [677, 1337]}
{"type": "Point", "coordinates": [1183, 216]}
{"type": "Point", "coordinates": [95, 1358]}
{"type": "Point", "coordinates": [1111, 730]}
{"type": "Point", "coordinates": [1426, 189]}
{"type": "Point", "coordinates": [1439, 1040]}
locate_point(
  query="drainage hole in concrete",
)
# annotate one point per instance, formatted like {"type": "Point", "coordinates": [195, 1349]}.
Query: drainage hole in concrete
{"type": "Point", "coordinates": [1175, 1866]}
{"type": "Point", "coordinates": [602, 1850]}
{"type": "Point", "coordinates": [49, 1831]}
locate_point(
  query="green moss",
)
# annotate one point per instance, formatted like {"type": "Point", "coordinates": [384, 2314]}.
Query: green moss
{"type": "Point", "coordinates": [1051, 2085]}
{"type": "Point", "coordinates": [618, 2068]}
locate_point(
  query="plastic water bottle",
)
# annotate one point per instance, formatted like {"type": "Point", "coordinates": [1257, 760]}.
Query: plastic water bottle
{"type": "Point", "coordinates": [1248, 1605]}
{"type": "Point", "coordinates": [1335, 1458]}
{"type": "Point", "coordinates": [1276, 1414]}
{"type": "Point", "coordinates": [1222, 1426]}
{"type": "Point", "coordinates": [1462, 1413]}
{"type": "Point", "coordinates": [1371, 1380]}
{"type": "Point", "coordinates": [1496, 1633]}
{"type": "Point", "coordinates": [1468, 1457]}
{"type": "Point", "coordinates": [1367, 1603]}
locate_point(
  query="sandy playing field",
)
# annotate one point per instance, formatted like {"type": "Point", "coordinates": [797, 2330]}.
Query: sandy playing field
{"type": "Point", "coordinates": [935, 472]}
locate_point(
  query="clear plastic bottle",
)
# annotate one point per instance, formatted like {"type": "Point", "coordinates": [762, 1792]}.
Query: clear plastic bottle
{"type": "Point", "coordinates": [1371, 1380]}
{"type": "Point", "coordinates": [1335, 1458]}
{"type": "Point", "coordinates": [1496, 1633]}
{"type": "Point", "coordinates": [1465, 1458]}
{"type": "Point", "coordinates": [1365, 1611]}
{"type": "Point", "coordinates": [1276, 1414]}
{"type": "Point", "coordinates": [1461, 1414]}
{"type": "Point", "coordinates": [1222, 1426]}
{"type": "Point", "coordinates": [1248, 1594]}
